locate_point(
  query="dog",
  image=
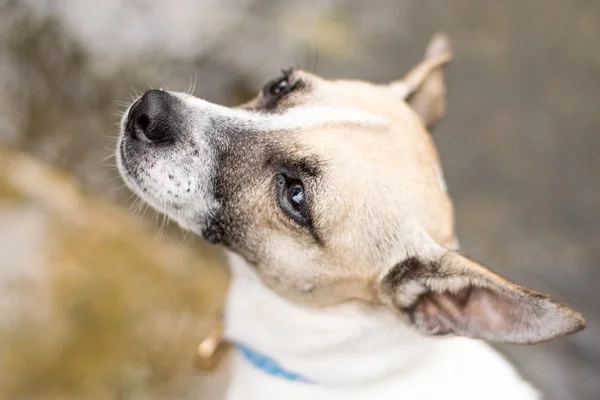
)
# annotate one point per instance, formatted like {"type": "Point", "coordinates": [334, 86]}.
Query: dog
{"type": "Point", "coordinates": [347, 279]}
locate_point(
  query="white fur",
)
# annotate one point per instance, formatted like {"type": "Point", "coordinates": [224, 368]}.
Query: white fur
{"type": "Point", "coordinates": [354, 351]}
{"type": "Point", "coordinates": [401, 89]}
{"type": "Point", "coordinates": [305, 117]}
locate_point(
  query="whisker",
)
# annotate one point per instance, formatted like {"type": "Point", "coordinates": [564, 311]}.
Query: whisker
{"type": "Point", "coordinates": [168, 221]}
{"type": "Point", "coordinates": [115, 178]}
{"type": "Point", "coordinates": [314, 71]}
{"type": "Point", "coordinates": [134, 207]}
{"type": "Point", "coordinates": [116, 189]}
{"type": "Point", "coordinates": [108, 157]}
{"type": "Point", "coordinates": [163, 86]}
{"type": "Point", "coordinates": [122, 103]}
{"type": "Point", "coordinates": [130, 197]}
{"type": "Point", "coordinates": [135, 94]}
{"type": "Point", "coordinates": [195, 81]}
{"type": "Point", "coordinates": [185, 235]}
{"type": "Point", "coordinates": [145, 210]}
{"type": "Point", "coordinates": [308, 57]}
{"type": "Point", "coordinates": [188, 87]}
{"type": "Point", "coordinates": [158, 233]}
{"type": "Point", "coordinates": [138, 209]}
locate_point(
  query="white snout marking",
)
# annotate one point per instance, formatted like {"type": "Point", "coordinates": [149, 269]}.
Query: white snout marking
{"type": "Point", "coordinates": [305, 117]}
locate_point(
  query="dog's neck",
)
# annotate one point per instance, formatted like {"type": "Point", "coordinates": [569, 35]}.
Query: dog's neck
{"type": "Point", "coordinates": [347, 344]}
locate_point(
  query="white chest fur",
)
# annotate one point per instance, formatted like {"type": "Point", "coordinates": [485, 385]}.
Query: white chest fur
{"type": "Point", "coordinates": [354, 351]}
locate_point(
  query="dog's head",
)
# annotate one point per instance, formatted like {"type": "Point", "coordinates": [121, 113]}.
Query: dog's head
{"type": "Point", "coordinates": [332, 191]}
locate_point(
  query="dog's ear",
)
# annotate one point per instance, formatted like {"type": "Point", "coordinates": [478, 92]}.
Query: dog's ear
{"type": "Point", "coordinates": [423, 87]}
{"type": "Point", "coordinates": [451, 294]}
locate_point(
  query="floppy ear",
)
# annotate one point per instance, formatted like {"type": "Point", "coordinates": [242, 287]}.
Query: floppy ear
{"type": "Point", "coordinates": [455, 295]}
{"type": "Point", "coordinates": [423, 87]}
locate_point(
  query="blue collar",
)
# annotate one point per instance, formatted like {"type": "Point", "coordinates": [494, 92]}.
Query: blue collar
{"type": "Point", "coordinates": [268, 365]}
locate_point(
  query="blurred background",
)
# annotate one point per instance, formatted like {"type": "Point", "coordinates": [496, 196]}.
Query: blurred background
{"type": "Point", "coordinates": [102, 299]}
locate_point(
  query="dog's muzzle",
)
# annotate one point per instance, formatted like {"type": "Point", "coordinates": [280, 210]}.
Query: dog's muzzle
{"type": "Point", "coordinates": [167, 153]}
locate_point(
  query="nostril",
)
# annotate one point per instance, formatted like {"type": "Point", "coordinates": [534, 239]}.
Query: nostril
{"type": "Point", "coordinates": [142, 122]}
{"type": "Point", "coordinates": [137, 126]}
{"type": "Point", "coordinates": [140, 127]}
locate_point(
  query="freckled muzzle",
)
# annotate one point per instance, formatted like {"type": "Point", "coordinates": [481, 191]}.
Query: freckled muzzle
{"type": "Point", "coordinates": [166, 154]}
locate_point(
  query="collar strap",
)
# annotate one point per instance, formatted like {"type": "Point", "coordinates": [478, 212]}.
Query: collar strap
{"type": "Point", "coordinates": [268, 365]}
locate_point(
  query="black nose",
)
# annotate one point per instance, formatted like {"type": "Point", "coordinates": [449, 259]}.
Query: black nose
{"type": "Point", "coordinates": [151, 118]}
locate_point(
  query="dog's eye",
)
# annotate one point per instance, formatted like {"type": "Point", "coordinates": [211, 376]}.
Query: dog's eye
{"type": "Point", "coordinates": [279, 86]}
{"type": "Point", "coordinates": [295, 196]}
{"type": "Point", "coordinates": [292, 198]}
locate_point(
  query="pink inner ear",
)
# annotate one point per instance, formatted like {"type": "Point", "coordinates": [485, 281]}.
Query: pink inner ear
{"type": "Point", "coordinates": [487, 307]}
{"type": "Point", "coordinates": [473, 311]}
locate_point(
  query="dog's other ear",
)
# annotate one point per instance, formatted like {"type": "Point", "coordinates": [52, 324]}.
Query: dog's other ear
{"type": "Point", "coordinates": [423, 87]}
{"type": "Point", "coordinates": [452, 294]}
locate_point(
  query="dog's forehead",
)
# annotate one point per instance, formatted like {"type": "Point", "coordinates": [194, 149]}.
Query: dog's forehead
{"type": "Point", "coordinates": [382, 156]}
{"type": "Point", "coordinates": [366, 126]}
{"type": "Point", "coordinates": [353, 94]}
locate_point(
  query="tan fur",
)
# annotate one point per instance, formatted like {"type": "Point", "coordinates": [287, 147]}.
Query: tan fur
{"type": "Point", "coordinates": [423, 87]}
{"type": "Point", "coordinates": [389, 171]}
{"type": "Point", "coordinates": [378, 200]}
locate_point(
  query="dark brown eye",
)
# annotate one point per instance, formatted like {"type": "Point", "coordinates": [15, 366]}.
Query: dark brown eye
{"type": "Point", "coordinates": [278, 87]}
{"type": "Point", "coordinates": [292, 198]}
{"type": "Point", "coordinates": [296, 196]}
